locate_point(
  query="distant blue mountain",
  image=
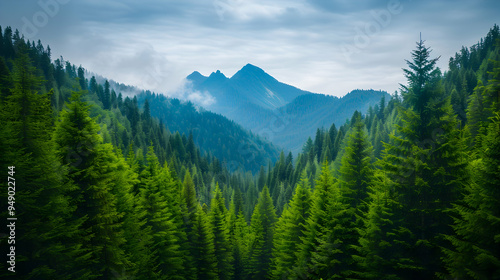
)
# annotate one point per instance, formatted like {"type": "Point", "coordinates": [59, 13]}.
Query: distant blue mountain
{"type": "Point", "coordinates": [283, 114]}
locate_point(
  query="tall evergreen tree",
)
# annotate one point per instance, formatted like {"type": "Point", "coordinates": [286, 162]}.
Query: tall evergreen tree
{"type": "Point", "coordinates": [190, 207]}
{"type": "Point", "coordinates": [238, 235]}
{"type": "Point", "coordinates": [137, 233]}
{"type": "Point", "coordinates": [168, 259]}
{"type": "Point", "coordinates": [426, 161]}
{"type": "Point", "coordinates": [202, 241]}
{"type": "Point", "coordinates": [217, 218]}
{"type": "Point", "coordinates": [90, 167]}
{"type": "Point", "coordinates": [262, 229]}
{"type": "Point", "coordinates": [41, 203]}
{"type": "Point", "coordinates": [381, 238]}
{"type": "Point", "coordinates": [323, 251]}
{"type": "Point", "coordinates": [356, 171]}
{"type": "Point", "coordinates": [290, 229]}
{"type": "Point", "coordinates": [476, 246]}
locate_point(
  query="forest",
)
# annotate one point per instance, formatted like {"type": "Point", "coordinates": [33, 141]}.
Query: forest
{"type": "Point", "coordinates": [97, 188]}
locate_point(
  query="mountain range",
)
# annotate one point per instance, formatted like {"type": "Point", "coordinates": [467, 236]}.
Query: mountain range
{"type": "Point", "coordinates": [281, 113]}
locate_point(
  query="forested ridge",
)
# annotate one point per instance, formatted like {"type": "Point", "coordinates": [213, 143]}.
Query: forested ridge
{"type": "Point", "coordinates": [104, 191]}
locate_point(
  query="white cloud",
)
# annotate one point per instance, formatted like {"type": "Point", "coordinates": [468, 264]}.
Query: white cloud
{"type": "Point", "coordinates": [155, 44]}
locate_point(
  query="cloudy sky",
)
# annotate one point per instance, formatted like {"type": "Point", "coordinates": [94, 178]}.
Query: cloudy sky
{"type": "Point", "coordinates": [324, 46]}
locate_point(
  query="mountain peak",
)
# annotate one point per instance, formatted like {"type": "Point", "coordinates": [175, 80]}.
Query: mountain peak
{"type": "Point", "coordinates": [250, 70]}
{"type": "Point", "coordinates": [251, 67]}
{"type": "Point", "coordinates": [217, 75]}
{"type": "Point", "coordinates": [196, 78]}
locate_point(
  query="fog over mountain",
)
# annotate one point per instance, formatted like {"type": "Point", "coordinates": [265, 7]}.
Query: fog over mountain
{"type": "Point", "coordinates": [281, 113]}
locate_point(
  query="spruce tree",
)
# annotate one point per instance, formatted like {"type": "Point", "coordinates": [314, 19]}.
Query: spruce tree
{"type": "Point", "coordinates": [290, 229]}
{"type": "Point", "coordinates": [426, 161]}
{"type": "Point", "coordinates": [381, 238]}
{"type": "Point", "coordinates": [323, 251]}
{"type": "Point", "coordinates": [137, 235]}
{"type": "Point", "coordinates": [168, 259]}
{"type": "Point", "coordinates": [356, 171]}
{"type": "Point", "coordinates": [475, 252]}
{"type": "Point", "coordinates": [203, 251]}
{"type": "Point", "coordinates": [218, 224]}
{"type": "Point", "coordinates": [189, 208]}
{"type": "Point", "coordinates": [238, 235]}
{"type": "Point", "coordinates": [90, 171]}
{"type": "Point", "coordinates": [262, 229]}
{"type": "Point", "coordinates": [41, 202]}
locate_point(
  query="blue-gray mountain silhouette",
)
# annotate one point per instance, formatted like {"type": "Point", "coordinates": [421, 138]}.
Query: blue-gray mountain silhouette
{"type": "Point", "coordinates": [282, 113]}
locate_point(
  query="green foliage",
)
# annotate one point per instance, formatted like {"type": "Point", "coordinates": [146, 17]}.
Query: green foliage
{"type": "Point", "coordinates": [290, 229]}
{"type": "Point", "coordinates": [426, 162]}
{"type": "Point", "coordinates": [238, 235]}
{"type": "Point", "coordinates": [381, 237]}
{"type": "Point", "coordinates": [356, 171]}
{"type": "Point", "coordinates": [202, 242]}
{"type": "Point", "coordinates": [261, 239]}
{"type": "Point", "coordinates": [218, 224]}
{"type": "Point", "coordinates": [476, 244]}
{"type": "Point", "coordinates": [91, 170]}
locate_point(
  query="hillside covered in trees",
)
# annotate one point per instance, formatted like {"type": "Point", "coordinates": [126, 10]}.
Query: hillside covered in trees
{"type": "Point", "coordinates": [100, 189]}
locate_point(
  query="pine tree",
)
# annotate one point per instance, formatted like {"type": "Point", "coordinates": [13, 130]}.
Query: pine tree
{"type": "Point", "coordinates": [356, 171]}
{"type": "Point", "coordinates": [168, 259]}
{"type": "Point", "coordinates": [477, 114]}
{"type": "Point", "coordinates": [217, 219]}
{"type": "Point", "coordinates": [90, 169]}
{"type": "Point", "coordinates": [138, 236]}
{"type": "Point", "coordinates": [203, 251]}
{"type": "Point", "coordinates": [27, 154]}
{"type": "Point", "coordinates": [380, 238]}
{"type": "Point", "coordinates": [238, 235]}
{"type": "Point", "coordinates": [425, 159]}
{"type": "Point", "coordinates": [261, 244]}
{"type": "Point", "coordinates": [190, 207]}
{"type": "Point", "coordinates": [475, 253]}
{"type": "Point", "coordinates": [323, 251]}
{"type": "Point", "coordinates": [5, 80]}
{"type": "Point", "coordinates": [290, 229]}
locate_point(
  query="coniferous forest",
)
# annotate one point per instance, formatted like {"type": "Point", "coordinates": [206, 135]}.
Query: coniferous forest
{"type": "Point", "coordinates": [102, 188]}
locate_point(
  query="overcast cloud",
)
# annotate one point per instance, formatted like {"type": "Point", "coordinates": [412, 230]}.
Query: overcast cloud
{"type": "Point", "coordinates": [323, 46]}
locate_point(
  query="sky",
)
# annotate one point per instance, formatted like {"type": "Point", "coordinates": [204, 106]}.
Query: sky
{"type": "Point", "coordinates": [323, 46]}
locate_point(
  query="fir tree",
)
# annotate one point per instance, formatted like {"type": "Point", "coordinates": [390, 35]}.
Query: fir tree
{"type": "Point", "coordinates": [168, 259]}
{"type": "Point", "coordinates": [217, 219]}
{"type": "Point", "coordinates": [41, 199]}
{"type": "Point", "coordinates": [323, 250]}
{"type": "Point", "coordinates": [425, 159]}
{"type": "Point", "coordinates": [190, 207]}
{"type": "Point", "coordinates": [203, 251]}
{"type": "Point", "coordinates": [238, 235]}
{"type": "Point", "coordinates": [262, 229]}
{"type": "Point", "coordinates": [356, 171]}
{"type": "Point", "coordinates": [476, 247]}
{"type": "Point", "coordinates": [90, 168]}
{"type": "Point", "coordinates": [381, 239]}
{"type": "Point", "coordinates": [290, 229]}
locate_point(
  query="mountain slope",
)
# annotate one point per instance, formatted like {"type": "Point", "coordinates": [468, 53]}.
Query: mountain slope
{"type": "Point", "coordinates": [213, 133]}
{"type": "Point", "coordinates": [292, 124]}
{"type": "Point", "coordinates": [251, 87]}
{"type": "Point", "coordinates": [283, 114]}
